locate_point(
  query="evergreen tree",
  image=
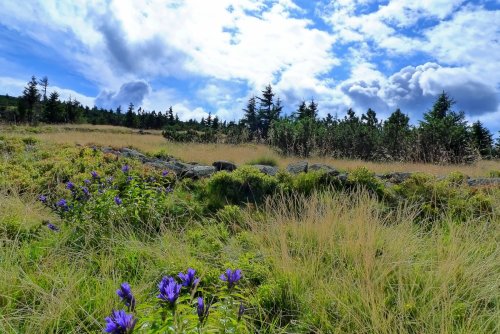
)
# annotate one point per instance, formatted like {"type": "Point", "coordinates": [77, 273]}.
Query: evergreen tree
{"type": "Point", "coordinates": [482, 139]}
{"type": "Point", "coordinates": [302, 110]}
{"type": "Point", "coordinates": [266, 112]}
{"type": "Point", "coordinates": [250, 119]}
{"type": "Point", "coordinates": [443, 134]}
{"type": "Point", "coordinates": [53, 109]}
{"type": "Point", "coordinates": [396, 135]}
{"type": "Point", "coordinates": [44, 83]}
{"type": "Point", "coordinates": [170, 116]}
{"type": "Point", "coordinates": [130, 120]}
{"type": "Point", "coordinates": [31, 97]}
{"type": "Point", "coordinates": [312, 109]}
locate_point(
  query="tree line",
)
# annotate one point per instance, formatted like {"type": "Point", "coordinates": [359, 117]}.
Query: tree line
{"type": "Point", "coordinates": [443, 136]}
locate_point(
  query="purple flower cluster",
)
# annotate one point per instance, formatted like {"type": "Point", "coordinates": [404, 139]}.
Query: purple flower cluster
{"type": "Point", "coordinates": [125, 168]}
{"type": "Point", "coordinates": [189, 280]}
{"type": "Point", "coordinates": [63, 204]}
{"type": "Point", "coordinates": [53, 227]}
{"type": "Point", "coordinates": [169, 290]}
{"type": "Point", "coordinates": [125, 294]}
{"type": "Point", "coordinates": [202, 309]}
{"type": "Point", "coordinates": [164, 173]}
{"type": "Point", "coordinates": [94, 174]}
{"type": "Point", "coordinates": [70, 185]}
{"type": "Point", "coordinates": [231, 277]}
{"type": "Point", "coordinates": [119, 322]}
{"type": "Point", "coordinates": [118, 200]}
{"type": "Point", "coordinates": [42, 198]}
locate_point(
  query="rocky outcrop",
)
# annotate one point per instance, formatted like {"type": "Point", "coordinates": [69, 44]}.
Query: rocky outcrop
{"type": "Point", "coordinates": [494, 181]}
{"type": "Point", "coordinates": [195, 170]}
{"type": "Point", "coordinates": [297, 167]}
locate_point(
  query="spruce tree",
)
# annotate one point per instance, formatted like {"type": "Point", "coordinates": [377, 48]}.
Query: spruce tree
{"type": "Point", "coordinates": [130, 120]}
{"type": "Point", "coordinates": [250, 119]}
{"type": "Point", "coordinates": [482, 139]}
{"type": "Point", "coordinates": [32, 98]}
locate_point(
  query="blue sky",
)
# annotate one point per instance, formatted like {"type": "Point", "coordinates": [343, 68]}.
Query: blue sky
{"type": "Point", "coordinates": [210, 56]}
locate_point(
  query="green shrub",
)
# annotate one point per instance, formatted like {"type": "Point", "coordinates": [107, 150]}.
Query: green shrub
{"type": "Point", "coordinates": [268, 161]}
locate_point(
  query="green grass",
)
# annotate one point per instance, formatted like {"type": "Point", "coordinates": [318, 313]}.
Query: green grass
{"type": "Point", "coordinates": [317, 256]}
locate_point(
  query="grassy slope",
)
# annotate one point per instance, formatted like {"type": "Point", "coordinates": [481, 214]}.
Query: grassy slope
{"type": "Point", "coordinates": [330, 263]}
{"type": "Point", "coordinates": [208, 153]}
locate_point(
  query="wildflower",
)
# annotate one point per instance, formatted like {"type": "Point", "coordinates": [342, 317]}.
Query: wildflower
{"type": "Point", "coordinates": [94, 174]}
{"type": "Point", "coordinates": [126, 168]}
{"type": "Point", "coordinates": [86, 181]}
{"type": "Point", "coordinates": [130, 178]}
{"type": "Point", "coordinates": [63, 204]}
{"type": "Point", "coordinates": [164, 173]}
{"type": "Point", "coordinates": [118, 200]}
{"type": "Point", "coordinates": [231, 277]}
{"type": "Point", "coordinates": [42, 198]}
{"type": "Point", "coordinates": [241, 311]}
{"type": "Point", "coordinates": [169, 290]}
{"type": "Point", "coordinates": [109, 179]}
{"type": "Point", "coordinates": [202, 309]}
{"type": "Point", "coordinates": [70, 185]}
{"type": "Point", "coordinates": [168, 189]}
{"type": "Point", "coordinates": [125, 294]}
{"type": "Point", "coordinates": [52, 227]}
{"type": "Point", "coordinates": [85, 191]}
{"type": "Point", "coordinates": [188, 280]}
{"type": "Point", "coordinates": [119, 322]}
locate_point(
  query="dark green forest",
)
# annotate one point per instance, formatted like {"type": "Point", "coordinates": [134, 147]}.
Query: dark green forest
{"type": "Point", "coordinates": [443, 136]}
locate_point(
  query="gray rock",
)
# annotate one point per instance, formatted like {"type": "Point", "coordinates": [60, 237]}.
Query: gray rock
{"type": "Point", "coordinates": [131, 153]}
{"type": "Point", "coordinates": [269, 170]}
{"type": "Point", "coordinates": [298, 167]}
{"type": "Point", "coordinates": [176, 166]}
{"type": "Point", "coordinates": [197, 172]}
{"type": "Point", "coordinates": [110, 150]}
{"type": "Point", "coordinates": [322, 167]}
{"type": "Point", "coordinates": [224, 165]}
{"type": "Point", "coordinates": [342, 177]}
{"type": "Point", "coordinates": [396, 177]}
{"type": "Point", "coordinates": [494, 181]}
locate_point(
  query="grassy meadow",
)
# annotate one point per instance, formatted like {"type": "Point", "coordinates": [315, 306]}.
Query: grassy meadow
{"type": "Point", "coordinates": [317, 255]}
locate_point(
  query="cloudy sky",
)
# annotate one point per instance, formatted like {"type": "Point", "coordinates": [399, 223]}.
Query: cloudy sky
{"type": "Point", "coordinates": [210, 56]}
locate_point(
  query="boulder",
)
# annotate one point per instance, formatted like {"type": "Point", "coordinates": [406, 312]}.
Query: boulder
{"type": "Point", "coordinates": [342, 177]}
{"type": "Point", "coordinates": [323, 167]}
{"type": "Point", "coordinates": [493, 181]}
{"type": "Point", "coordinates": [176, 166]}
{"type": "Point", "coordinates": [396, 177]}
{"type": "Point", "coordinates": [134, 154]}
{"type": "Point", "coordinates": [269, 170]}
{"type": "Point", "coordinates": [198, 172]}
{"type": "Point", "coordinates": [224, 165]}
{"type": "Point", "coordinates": [298, 167]}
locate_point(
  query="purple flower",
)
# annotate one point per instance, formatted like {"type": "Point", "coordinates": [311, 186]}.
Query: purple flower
{"type": "Point", "coordinates": [231, 277]}
{"type": "Point", "coordinates": [70, 185]}
{"type": "Point", "coordinates": [63, 204]}
{"type": "Point", "coordinates": [130, 178]}
{"type": "Point", "coordinates": [119, 322]}
{"type": "Point", "coordinates": [42, 198]}
{"type": "Point", "coordinates": [87, 181]}
{"type": "Point", "coordinates": [125, 294]}
{"type": "Point", "coordinates": [125, 168]}
{"type": "Point", "coordinates": [188, 280]}
{"type": "Point", "coordinates": [202, 309]}
{"type": "Point", "coordinates": [168, 190]}
{"type": "Point", "coordinates": [85, 191]}
{"type": "Point", "coordinates": [241, 310]}
{"type": "Point", "coordinates": [118, 200]}
{"type": "Point", "coordinates": [164, 173]}
{"type": "Point", "coordinates": [169, 290]}
{"type": "Point", "coordinates": [94, 174]}
{"type": "Point", "coordinates": [53, 227]}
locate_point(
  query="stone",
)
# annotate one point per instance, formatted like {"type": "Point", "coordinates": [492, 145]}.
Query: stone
{"type": "Point", "coordinates": [298, 167]}
{"type": "Point", "coordinates": [198, 172]}
{"type": "Point", "coordinates": [396, 177]}
{"type": "Point", "coordinates": [493, 181]}
{"type": "Point", "coordinates": [224, 165]}
{"type": "Point", "coordinates": [343, 177]}
{"type": "Point", "coordinates": [323, 167]}
{"type": "Point", "coordinates": [269, 170]}
{"type": "Point", "coordinates": [131, 153]}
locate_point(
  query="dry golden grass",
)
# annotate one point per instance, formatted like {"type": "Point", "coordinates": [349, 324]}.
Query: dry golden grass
{"type": "Point", "coordinates": [153, 142]}
{"type": "Point", "coordinates": [357, 270]}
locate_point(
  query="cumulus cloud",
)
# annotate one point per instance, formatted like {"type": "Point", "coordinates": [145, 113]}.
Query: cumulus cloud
{"type": "Point", "coordinates": [130, 92]}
